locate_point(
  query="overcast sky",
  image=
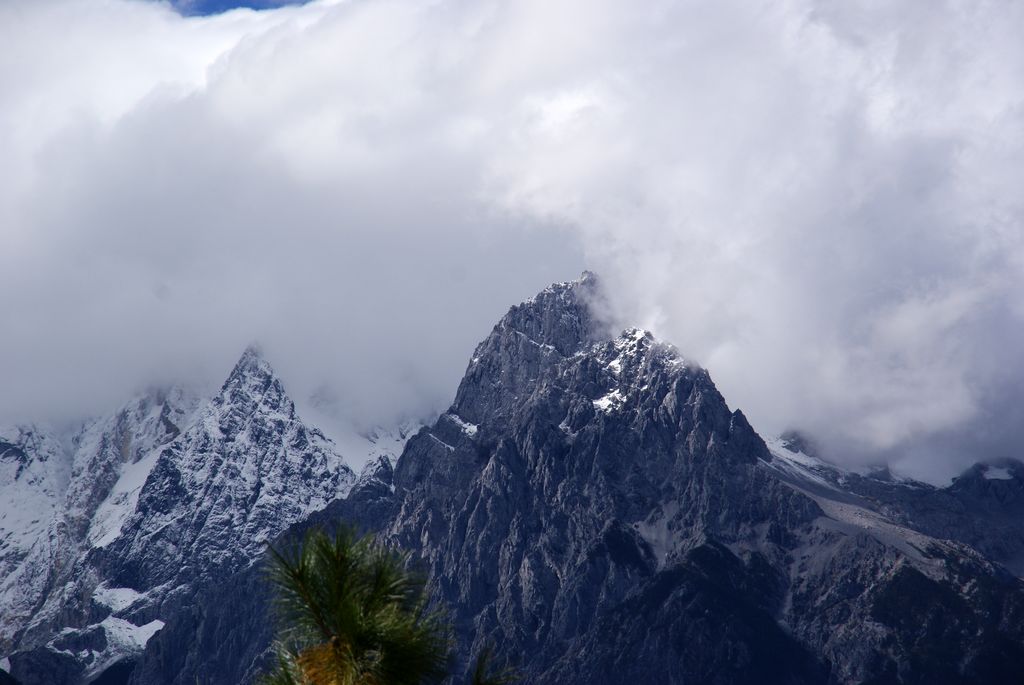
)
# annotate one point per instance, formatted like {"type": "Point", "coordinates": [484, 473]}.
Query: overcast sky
{"type": "Point", "coordinates": [820, 201]}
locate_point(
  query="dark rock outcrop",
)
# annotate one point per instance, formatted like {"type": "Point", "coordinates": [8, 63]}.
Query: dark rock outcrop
{"type": "Point", "coordinates": [590, 506]}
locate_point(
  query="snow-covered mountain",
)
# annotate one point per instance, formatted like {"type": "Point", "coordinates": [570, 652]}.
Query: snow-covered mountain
{"type": "Point", "coordinates": [104, 464]}
{"type": "Point", "coordinates": [589, 504]}
{"type": "Point", "coordinates": [109, 534]}
{"type": "Point", "coordinates": [34, 475]}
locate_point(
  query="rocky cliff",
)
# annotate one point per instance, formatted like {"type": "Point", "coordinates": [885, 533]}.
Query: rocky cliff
{"type": "Point", "coordinates": [590, 506]}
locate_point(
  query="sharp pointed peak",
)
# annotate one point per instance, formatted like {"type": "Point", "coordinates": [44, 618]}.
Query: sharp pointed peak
{"type": "Point", "coordinates": [253, 351]}
{"type": "Point", "coordinates": [564, 315]}
{"type": "Point", "coordinates": [252, 363]}
{"type": "Point", "coordinates": [254, 380]}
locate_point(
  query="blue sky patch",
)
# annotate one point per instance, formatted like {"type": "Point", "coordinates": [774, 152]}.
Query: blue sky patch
{"type": "Point", "coordinates": [206, 7]}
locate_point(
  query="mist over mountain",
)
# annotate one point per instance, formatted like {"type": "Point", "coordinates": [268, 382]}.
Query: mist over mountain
{"type": "Point", "coordinates": [271, 265]}
{"type": "Point", "coordinates": [589, 503]}
{"type": "Point", "coordinates": [819, 202]}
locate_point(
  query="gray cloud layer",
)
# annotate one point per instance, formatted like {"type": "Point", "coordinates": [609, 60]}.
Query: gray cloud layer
{"type": "Point", "coordinates": [818, 201]}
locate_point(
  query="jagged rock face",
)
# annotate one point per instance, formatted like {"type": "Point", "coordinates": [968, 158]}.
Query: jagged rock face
{"type": "Point", "coordinates": [46, 588]}
{"type": "Point", "coordinates": [168, 495]}
{"type": "Point", "coordinates": [103, 448]}
{"type": "Point", "coordinates": [590, 506]}
{"type": "Point", "coordinates": [711, 613]}
{"type": "Point", "coordinates": [573, 474]}
{"type": "Point", "coordinates": [246, 470]}
{"type": "Point", "coordinates": [224, 630]}
{"type": "Point", "coordinates": [983, 507]}
{"type": "Point", "coordinates": [594, 508]}
{"type": "Point", "coordinates": [881, 597]}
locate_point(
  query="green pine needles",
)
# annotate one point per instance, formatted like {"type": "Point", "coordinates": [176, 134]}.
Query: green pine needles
{"type": "Point", "coordinates": [352, 614]}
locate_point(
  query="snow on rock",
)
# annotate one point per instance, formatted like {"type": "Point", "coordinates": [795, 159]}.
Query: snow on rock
{"type": "Point", "coordinates": [124, 640]}
{"type": "Point", "coordinates": [116, 598]}
{"type": "Point", "coordinates": [105, 462]}
{"type": "Point", "coordinates": [628, 358]}
{"type": "Point", "coordinates": [357, 445]}
{"type": "Point", "coordinates": [609, 402]}
{"type": "Point", "coordinates": [469, 429]}
{"type": "Point", "coordinates": [674, 492]}
{"type": "Point", "coordinates": [242, 473]}
{"type": "Point", "coordinates": [826, 483]}
{"type": "Point", "coordinates": [113, 458]}
{"type": "Point", "coordinates": [126, 634]}
{"type": "Point", "coordinates": [997, 473]}
{"type": "Point", "coordinates": [800, 465]}
{"type": "Point", "coordinates": [164, 491]}
{"type": "Point", "coordinates": [389, 442]}
{"type": "Point", "coordinates": [114, 511]}
{"type": "Point", "coordinates": [34, 472]}
{"type": "Point", "coordinates": [382, 447]}
{"type": "Point", "coordinates": [628, 345]}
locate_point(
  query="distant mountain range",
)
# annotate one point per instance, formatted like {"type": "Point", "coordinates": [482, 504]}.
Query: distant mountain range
{"type": "Point", "coordinates": [589, 505]}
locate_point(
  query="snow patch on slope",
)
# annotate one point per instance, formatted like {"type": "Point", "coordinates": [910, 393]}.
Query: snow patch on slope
{"type": "Point", "coordinates": [799, 465]}
{"type": "Point", "coordinates": [610, 402]}
{"type": "Point", "coordinates": [117, 598]}
{"type": "Point", "coordinates": [997, 473]}
{"type": "Point", "coordinates": [469, 429]}
{"type": "Point", "coordinates": [822, 482]}
{"type": "Point", "coordinates": [124, 640]}
{"type": "Point", "coordinates": [115, 511]}
{"type": "Point", "coordinates": [34, 474]}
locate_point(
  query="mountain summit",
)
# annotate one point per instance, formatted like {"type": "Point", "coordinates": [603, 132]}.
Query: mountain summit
{"type": "Point", "coordinates": [169, 494]}
{"type": "Point", "coordinates": [590, 505]}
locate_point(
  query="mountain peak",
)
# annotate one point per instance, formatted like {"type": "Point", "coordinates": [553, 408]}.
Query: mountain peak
{"type": "Point", "coordinates": [252, 360]}
{"type": "Point", "coordinates": [556, 323]}
{"type": "Point", "coordinates": [982, 475]}
{"type": "Point", "coordinates": [589, 501]}
{"type": "Point", "coordinates": [563, 316]}
{"type": "Point", "coordinates": [251, 369]}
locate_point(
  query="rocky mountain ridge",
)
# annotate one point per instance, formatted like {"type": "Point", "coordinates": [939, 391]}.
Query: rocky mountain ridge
{"type": "Point", "coordinates": [983, 507]}
{"type": "Point", "coordinates": [607, 499]}
{"type": "Point", "coordinates": [590, 505]}
{"type": "Point", "coordinates": [169, 492]}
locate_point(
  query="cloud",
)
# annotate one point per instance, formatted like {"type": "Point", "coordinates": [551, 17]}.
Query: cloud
{"type": "Point", "coordinates": [252, 189]}
{"type": "Point", "coordinates": [817, 201]}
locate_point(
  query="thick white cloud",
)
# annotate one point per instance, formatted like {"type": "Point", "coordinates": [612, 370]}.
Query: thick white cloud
{"type": "Point", "coordinates": [193, 185]}
{"type": "Point", "coordinates": [817, 200]}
